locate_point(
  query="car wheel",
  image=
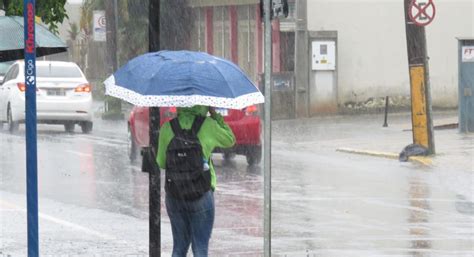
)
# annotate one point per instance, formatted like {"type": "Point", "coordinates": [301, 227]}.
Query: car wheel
{"type": "Point", "coordinates": [86, 127]}
{"type": "Point", "coordinates": [12, 125]}
{"type": "Point", "coordinates": [132, 146]}
{"type": "Point", "coordinates": [69, 127]}
{"type": "Point", "coordinates": [229, 156]}
{"type": "Point", "coordinates": [254, 155]}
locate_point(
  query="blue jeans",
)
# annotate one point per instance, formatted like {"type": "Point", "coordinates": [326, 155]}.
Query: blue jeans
{"type": "Point", "coordinates": [191, 223]}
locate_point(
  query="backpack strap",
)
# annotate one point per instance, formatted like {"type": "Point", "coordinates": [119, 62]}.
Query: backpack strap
{"type": "Point", "coordinates": [176, 127]}
{"type": "Point", "coordinates": [198, 121]}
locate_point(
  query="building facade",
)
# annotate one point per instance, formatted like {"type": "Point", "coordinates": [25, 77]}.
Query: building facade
{"type": "Point", "coordinates": [368, 43]}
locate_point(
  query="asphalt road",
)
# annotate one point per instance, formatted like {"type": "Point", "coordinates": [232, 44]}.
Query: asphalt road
{"type": "Point", "coordinates": [93, 201]}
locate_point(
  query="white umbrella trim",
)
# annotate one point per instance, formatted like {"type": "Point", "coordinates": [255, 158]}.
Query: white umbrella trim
{"type": "Point", "coordinates": [180, 101]}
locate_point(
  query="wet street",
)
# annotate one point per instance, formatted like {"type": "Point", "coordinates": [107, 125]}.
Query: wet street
{"type": "Point", "coordinates": [93, 201]}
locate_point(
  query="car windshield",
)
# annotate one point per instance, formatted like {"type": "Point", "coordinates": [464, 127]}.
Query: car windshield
{"type": "Point", "coordinates": [4, 67]}
{"type": "Point", "coordinates": [51, 71]}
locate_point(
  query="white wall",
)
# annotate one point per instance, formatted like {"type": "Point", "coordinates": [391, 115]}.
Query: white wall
{"type": "Point", "coordinates": [372, 46]}
{"type": "Point", "coordinates": [454, 18]}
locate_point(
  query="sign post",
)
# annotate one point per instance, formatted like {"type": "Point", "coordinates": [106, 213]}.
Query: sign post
{"type": "Point", "coordinates": [30, 122]}
{"type": "Point", "coordinates": [419, 13]}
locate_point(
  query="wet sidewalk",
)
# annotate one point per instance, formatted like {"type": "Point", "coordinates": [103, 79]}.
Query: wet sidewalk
{"type": "Point", "coordinates": [328, 203]}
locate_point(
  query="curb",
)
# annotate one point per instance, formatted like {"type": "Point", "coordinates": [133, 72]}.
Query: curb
{"type": "Point", "coordinates": [394, 156]}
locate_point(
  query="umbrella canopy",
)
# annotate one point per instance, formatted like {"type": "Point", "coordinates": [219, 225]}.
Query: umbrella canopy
{"type": "Point", "coordinates": [183, 79]}
{"type": "Point", "coordinates": [12, 42]}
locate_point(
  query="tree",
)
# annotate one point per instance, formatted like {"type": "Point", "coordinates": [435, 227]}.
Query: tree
{"type": "Point", "coordinates": [87, 9]}
{"type": "Point", "coordinates": [73, 31]}
{"type": "Point", "coordinates": [51, 12]}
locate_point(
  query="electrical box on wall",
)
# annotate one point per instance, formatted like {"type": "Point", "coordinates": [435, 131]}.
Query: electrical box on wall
{"type": "Point", "coordinates": [323, 55]}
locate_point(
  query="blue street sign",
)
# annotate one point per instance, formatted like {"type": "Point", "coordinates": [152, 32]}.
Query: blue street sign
{"type": "Point", "coordinates": [30, 123]}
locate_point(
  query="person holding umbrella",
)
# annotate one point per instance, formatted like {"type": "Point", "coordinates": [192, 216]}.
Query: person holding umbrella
{"type": "Point", "coordinates": [196, 83]}
{"type": "Point", "coordinates": [189, 204]}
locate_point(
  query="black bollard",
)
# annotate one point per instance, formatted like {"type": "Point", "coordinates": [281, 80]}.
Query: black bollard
{"type": "Point", "coordinates": [385, 124]}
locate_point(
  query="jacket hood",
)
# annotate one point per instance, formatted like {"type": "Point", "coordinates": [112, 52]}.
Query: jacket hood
{"type": "Point", "coordinates": [195, 110]}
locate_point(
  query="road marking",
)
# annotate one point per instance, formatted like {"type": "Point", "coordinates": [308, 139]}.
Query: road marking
{"type": "Point", "coordinates": [58, 221]}
{"type": "Point", "coordinates": [369, 153]}
{"type": "Point", "coordinates": [79, 153]}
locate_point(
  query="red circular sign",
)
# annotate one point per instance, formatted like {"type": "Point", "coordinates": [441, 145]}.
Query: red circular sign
{"type": "Point", "coordinates": [101, 21]}
{"type": "Point", "coordinates": [422, 12]}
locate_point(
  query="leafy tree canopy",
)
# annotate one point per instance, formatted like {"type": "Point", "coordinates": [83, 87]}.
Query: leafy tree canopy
{"type": "Point", "coordinates": [51, 12]}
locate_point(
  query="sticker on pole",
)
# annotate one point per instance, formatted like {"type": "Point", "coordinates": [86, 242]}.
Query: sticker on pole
{"type": "Point", "coordinates": [422, 12]}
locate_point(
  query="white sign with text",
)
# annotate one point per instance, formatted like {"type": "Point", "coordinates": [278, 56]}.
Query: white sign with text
{"type": "Point", "coordinates": [467, 53]}
{"type": "Point", "coordinates": [99, 26]}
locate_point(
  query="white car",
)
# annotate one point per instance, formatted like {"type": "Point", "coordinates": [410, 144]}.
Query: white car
{"type": "Point", "coordinates": [63, 96]}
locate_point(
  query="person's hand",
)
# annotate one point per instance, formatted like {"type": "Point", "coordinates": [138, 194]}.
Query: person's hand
{"type": "Point", "coordinates": [212, 111]}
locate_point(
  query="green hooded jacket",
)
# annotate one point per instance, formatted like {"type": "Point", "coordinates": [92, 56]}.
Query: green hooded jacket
{"type": "Point", "coordinates": [214, 133]}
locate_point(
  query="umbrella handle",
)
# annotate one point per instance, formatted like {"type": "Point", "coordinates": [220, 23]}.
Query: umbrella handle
{"type": "Point", "coordinates": [212, 111]}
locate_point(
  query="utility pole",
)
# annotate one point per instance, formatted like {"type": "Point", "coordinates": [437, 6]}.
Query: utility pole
{"type": "Point", "coordinates": [421, 111]}
{"type": "Point", "coordinates": [114, 105]}
{"type": "Point", "coordinates": [150, 154]}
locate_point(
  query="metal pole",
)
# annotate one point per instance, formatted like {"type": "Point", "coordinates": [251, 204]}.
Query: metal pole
{"type": "Point", "coordinates": [116, 35]}
{"type": "Point", "coordinates": [267, 146]}
{"type": "Point", "coordinates": [154, 125]}
{"type": "Point", "coordinates": [30, 122]}
{"type": "Point", "coordinates": [385, 124]}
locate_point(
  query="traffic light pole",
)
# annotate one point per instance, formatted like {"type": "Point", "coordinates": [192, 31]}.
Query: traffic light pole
{"type": "Point", "coordinates": [150, 154]}
{"type": "Point", "coordinates": [421, 111]}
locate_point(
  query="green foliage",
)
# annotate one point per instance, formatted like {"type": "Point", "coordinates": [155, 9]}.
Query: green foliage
{"type": "Point", "coordinates": [87, 9]}
{"type": "Point", "coordinates": [51, 12]}
{"type": "Point", "coordinates": [73, 31]}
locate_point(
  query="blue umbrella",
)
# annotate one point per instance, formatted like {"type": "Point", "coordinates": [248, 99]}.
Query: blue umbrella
{"type": "Point", "coordinates": [183, 79]}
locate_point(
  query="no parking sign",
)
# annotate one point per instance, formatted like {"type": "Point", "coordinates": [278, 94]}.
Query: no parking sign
{"type": "Point", "coordinates": [99, 26]}
{"type": "Point", "coordinates": [422, 12]}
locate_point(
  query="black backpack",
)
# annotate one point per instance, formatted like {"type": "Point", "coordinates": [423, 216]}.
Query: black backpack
{"type": "Point", "coordinates": [186, 178]}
